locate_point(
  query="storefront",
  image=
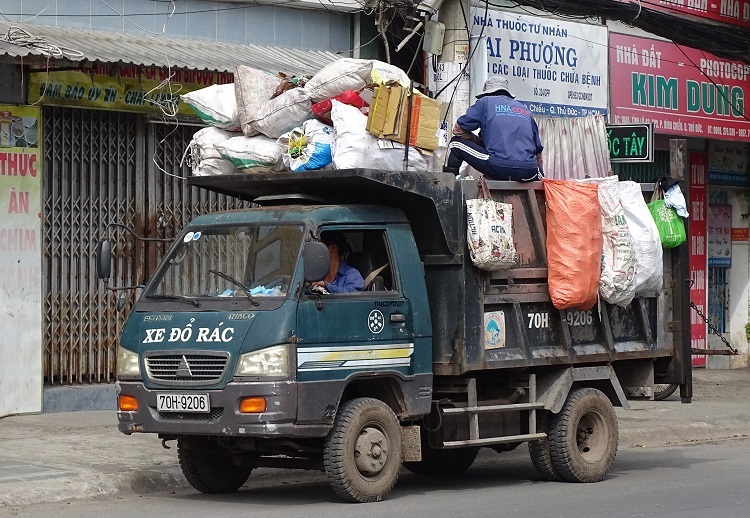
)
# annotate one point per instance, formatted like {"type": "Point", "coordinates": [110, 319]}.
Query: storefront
{"type": "Point", "coordinates": [85, 145]}
{"type": "Point", "coordinates": [690, 94]}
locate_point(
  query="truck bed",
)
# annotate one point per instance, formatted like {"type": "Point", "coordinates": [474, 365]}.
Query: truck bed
{"type": "Point", "coordinates": [462, 297]}
{"type": "Point", "coordinates": [428, 199]}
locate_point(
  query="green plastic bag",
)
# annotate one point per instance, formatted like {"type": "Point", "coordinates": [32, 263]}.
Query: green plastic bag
{"type": "Point", "coordinates": [670, 225]}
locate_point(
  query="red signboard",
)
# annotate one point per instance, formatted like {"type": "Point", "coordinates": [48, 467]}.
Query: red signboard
{"type": "Point", "coordinates": [698, 257]}
{"type": "Point", "coordinates": [733, 12]}
{"type": "Point", "coordinates": [683, 91]}
{"type": "Point", "coordinates": [740, 234]}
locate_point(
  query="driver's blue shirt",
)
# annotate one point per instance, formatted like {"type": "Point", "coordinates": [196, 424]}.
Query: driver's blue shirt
{"type": "Point", "coordinates": [347, 279]}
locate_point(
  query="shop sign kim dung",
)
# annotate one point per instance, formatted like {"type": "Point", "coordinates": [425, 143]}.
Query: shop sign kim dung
{"type": "Point", "coordinates": [683, 91]}
{"type": "Point", "coordinates": [558, 68]}
{"type": "Point", "coordinates": [121, 88]}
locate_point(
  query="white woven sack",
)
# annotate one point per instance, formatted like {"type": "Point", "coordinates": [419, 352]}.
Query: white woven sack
{"type": "Point", "coordinates": [649, 275]}
{"type": "Point", "coordinates": [252, 154]}
{"type": "Point", "coordinates": [283, 113]}
{"type": "Point", "coordinates": [205, 160]}
{"type": "Point", "coordinates": [215, 105]}
{"type": "Point", "coordinates": [619, 265]}
{"type": "Point", "coordinates": [253, 90]}
{"type": "Point", "coordinates": [383, 73]}
{"type": "Point", "coordinates": [316, 153]}
{"type": "Point", "coordinates": [354, 147]}
{"type": "Point", "coordinates": [490, 233]}
{"type": "Point", "coordinates": [338, 77]}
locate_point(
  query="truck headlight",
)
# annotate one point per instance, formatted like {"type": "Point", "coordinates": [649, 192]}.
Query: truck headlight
{"type": "Point", "coordinates": [128, 366]}
{"type": "Point", "coordinates": [271, 361]}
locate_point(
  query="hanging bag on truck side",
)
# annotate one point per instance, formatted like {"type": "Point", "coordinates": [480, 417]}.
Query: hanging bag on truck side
{"type": "Point", "coordinates": [619, 264]}
{"type": "Point", "coordinates": [670, 225]}
{"type": "Point", "coordinates": [650, 271]}
{"type": "Point", "coordinates": [574, 243]}
{"type": "Point", "coordinates": [490, 232]}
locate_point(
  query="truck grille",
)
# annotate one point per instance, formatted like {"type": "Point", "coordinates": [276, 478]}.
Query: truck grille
{"type": "Point", "coordinates": [215, 415]}
{"type": "Point", "coordinates": [186, 367]}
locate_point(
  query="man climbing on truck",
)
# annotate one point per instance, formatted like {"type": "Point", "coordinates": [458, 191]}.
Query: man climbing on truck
{"type": "Point", "coordinates": [508, 145]}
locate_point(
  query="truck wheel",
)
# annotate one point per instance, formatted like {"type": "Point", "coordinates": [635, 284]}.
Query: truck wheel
{"type": "Point", "coordinates": [663, 391]}
{"type": "Point", "coordinates": [207, 469]}
{"type": "Point", "coordinates": [443, 463]}
{"type": "Point", "coordinates": [541, 457]}
{"type": "Point", "coordinates": [583, 436]}
{"type": "Point", "coordinates": [362, 453]}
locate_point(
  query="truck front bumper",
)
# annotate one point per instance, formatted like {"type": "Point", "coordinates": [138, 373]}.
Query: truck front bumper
{"type": "Point", "coordinates": [225, 419]}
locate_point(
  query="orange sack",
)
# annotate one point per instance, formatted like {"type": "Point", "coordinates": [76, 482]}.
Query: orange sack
{"type": "Point", "coordinates": [574, 243]}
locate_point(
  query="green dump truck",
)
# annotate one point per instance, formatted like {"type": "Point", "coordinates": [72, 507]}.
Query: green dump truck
{"type": "Point", "coordinates": [230, 353]}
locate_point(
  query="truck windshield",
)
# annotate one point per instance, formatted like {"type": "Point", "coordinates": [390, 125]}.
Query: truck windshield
{"type": "Point", "coordinates": [232, 261]}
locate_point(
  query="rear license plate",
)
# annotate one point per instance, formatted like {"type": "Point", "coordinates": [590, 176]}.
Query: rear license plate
{"type": "Point", "coordinates": [177, 402]}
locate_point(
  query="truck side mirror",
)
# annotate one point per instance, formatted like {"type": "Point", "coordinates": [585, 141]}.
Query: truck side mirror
{"type": "Point", "coordinates": [121, 301]}
{"type": "Point", "coordinates": [104, 259]}
{"type": "Point", "coordinates": [317, 261]}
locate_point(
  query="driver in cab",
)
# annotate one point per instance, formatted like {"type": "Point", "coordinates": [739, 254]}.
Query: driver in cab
{"type": "Point", "coordinates": [341, 277]}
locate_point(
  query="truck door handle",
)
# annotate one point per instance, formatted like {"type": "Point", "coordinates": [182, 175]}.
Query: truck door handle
{"type": "Point", "coordinates": [398, 318]}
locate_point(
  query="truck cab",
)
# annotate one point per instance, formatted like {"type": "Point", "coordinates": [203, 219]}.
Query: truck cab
{"type": "Point", "coordinates": [228, 319]}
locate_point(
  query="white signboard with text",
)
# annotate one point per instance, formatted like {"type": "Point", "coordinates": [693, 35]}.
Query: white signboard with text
{"type": "Point", "coordinates": [558, 68]}
{"type": "Point", "coordinates": [20, 260]}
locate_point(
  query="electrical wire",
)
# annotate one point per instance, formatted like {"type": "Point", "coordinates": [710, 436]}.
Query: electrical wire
{"type": "Point", "coordinates": [164, 27]}
{"type": "Point", "coordinates": [468, 60]}
{"type": "Point", "coordinates": [19, 36]}
{"type": "Point", "coordinates": [721, 39]}
{"type": "Point", "coordinates": [716, 87]}
{"type": "Point", "coordinates": [344, 10]}
{"type": "Point", "coordinates": [29, 19]}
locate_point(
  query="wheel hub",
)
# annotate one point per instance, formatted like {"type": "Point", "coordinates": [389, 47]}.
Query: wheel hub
{"type": "Point", "coordinates": [591, 436]}
{"type": "Point", "coordinates": [371, 451]}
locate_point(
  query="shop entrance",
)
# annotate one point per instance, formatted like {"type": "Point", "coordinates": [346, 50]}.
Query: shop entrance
{"type": "Point", "coordinates": [105, 167]}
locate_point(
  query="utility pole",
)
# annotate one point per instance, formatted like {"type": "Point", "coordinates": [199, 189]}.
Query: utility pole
{"type": "Point", "coordinates": [454, 58]}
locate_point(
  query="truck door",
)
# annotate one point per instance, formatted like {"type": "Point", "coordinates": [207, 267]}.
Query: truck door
{"type": "Point", "coordinates": [347, 334]}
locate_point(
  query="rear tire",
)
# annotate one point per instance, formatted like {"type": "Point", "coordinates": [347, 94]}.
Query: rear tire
{"type": "Point", "coordinates": [362, 453]}
{"type": "Point", "coordinates": [583, 436]}
{"type": "Point", "coordinates": [541, 456]}
{"type": "Point", "coordinates": [207, 469]}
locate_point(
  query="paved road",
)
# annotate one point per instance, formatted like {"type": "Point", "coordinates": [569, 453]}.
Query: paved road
{"type": "Point", "coordinates": [685, 481]}
{"type": "Point", "coordinates": [64, 456]}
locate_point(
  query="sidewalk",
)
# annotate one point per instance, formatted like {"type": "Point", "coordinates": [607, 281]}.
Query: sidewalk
{"type": "Point", "coordinates": [61, 456]}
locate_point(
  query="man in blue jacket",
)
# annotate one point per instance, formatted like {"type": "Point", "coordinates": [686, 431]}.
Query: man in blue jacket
{"type": "Point", "coordinates": [508, 145]}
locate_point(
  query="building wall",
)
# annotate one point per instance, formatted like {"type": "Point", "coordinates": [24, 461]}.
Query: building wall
{"type": "Point", "coordinates": [737, 311]}
{"type": "Point", "coordinates": [194, 19]}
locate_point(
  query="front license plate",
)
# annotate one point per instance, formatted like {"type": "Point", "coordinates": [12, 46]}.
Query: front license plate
{"type": "Point", "coordinates": [177, 402]}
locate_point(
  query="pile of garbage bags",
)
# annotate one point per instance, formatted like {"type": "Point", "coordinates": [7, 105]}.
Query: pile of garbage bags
{"type": "Point", "coordinates": [352, 113]}
{"type": "Point", "coordinates": [602, 242]}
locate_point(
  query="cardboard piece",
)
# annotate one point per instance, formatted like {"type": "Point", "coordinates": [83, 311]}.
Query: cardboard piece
{"type": "Point", "coordinates": [425, 121]}
{"type": "Point", "coordinates": [388, 117]}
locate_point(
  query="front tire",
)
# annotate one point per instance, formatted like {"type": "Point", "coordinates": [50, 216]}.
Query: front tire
{"type": "Point", "coordinates": [583, 436]}
{"type": "Point", "coordinates": [663, 391]}
{"type": "Point", "coordinates": [207, 469]}
{"type": "Point", "coordinates": [362, 453]}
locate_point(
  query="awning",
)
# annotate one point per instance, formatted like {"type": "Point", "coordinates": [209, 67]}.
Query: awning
{"type": "Point", "coordinates": [60, 46]}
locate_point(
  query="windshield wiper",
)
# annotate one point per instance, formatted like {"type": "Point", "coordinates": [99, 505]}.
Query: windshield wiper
{"type": "Point", "coordinates": [236, 283]}
{"type": "Point", "coordinates": [176, 297]}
